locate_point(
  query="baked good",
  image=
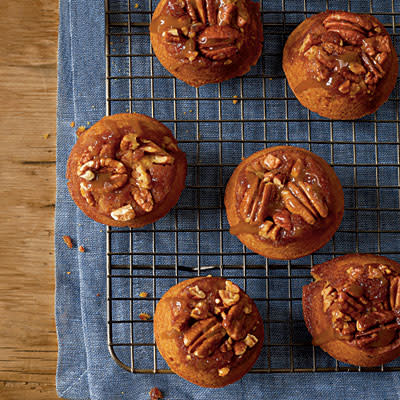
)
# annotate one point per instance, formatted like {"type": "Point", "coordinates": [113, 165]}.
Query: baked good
{"type": "Point", "coordinates": [340, 65]}
{"type": "Point", "coordinates": [208, 331]}
{"type": "Point", "coordinates": [284, 202]}
{"type": "Point", "coordinates": [352, 309]}
{"type": "Point", "coordinates": [126, 170]}
{"type": "Point", "coordinates": [206, 41]}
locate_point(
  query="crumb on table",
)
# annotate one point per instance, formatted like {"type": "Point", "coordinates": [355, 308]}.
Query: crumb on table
{"type": "Point", "coordinates": [155, 394]}
{"type": "Point", "coordinates": [235, 100]}
{"type": "Point", "coordinates": [68, 241]}
{"type": "Point", "coordinates": [143, 294]}
{"type": "Point", "coordinates": [46, 135]}
{"type": "Point", "coordinates": [144, 316]}
{"type": "Point", "coordinates": [81, 249]}
{"type": "Point", "coordinates": [72, 124]}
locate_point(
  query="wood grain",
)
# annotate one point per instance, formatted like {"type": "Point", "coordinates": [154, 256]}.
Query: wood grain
{"type": "Point", "coordinates": [28, 70]}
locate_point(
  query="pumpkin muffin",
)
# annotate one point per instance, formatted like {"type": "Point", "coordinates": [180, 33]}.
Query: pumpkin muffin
{"type": "Point", "coordinates": [341, 65]}
{"type": "Point", "coordinates": [284, 202]}
{"type": "Point", "coordinates": [206, 41]}
{"type": "Point", "coordinates": [126, 170]}
{"type": "Point", "coordinates": [208, 331]}
{"type": "Point", "coordinates": [352, 309]}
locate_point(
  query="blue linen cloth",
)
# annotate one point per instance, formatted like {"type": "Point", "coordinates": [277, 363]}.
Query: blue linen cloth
{"type": "Point", "coordinates": [85, 368]}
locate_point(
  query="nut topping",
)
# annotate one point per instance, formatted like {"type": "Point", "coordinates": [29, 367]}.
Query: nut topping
{"type": "Point", "coordinates": [218, 336]}
{"type": "Point", "coordinates": [280, 193]}
{"type": "Point", "coordinates": [123, 169]}
{"type": "Point", "coordinates": [350, 55]}
{"type": "Point", "coordinates": [363, 310]}
{"type": "Point", "coordinates": [210, 29]}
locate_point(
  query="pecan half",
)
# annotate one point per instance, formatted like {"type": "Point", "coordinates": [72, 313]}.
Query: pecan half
{"type": "Point", "coordinates": [236, 323]}
{"type": "Point", "coordinates": [218, 42]}
{"type": "Point", "coordinates": [204, 337]}
{"type": "Point", "coordinates": [296, 207]}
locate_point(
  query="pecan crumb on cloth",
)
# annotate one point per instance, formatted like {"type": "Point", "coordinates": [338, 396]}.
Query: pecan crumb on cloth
{"type": "Point", "coordinates": [155, 394]}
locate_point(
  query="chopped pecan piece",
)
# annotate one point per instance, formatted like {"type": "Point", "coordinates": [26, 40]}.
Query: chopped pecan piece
{"type": "Point", "coordinates": [124, 213]}
{"type": "Point", "coordinates": [395, 293]}
{"type": "Point", "coordinates": [250, 340]}
{"type": "Point", "coordinates": [196, 292]}
{"type": "Point", "coordinates": [272, 162]}
{"type": "Point", "coordinates": [223, 371]}
{"type": "Point", "coordinates": [239, 348]}
{"type": "Point", "coordinates": [200, 311]}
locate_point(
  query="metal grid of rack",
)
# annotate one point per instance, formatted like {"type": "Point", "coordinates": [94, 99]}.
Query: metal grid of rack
{"type": "Point", "coordinates": [217, 126]}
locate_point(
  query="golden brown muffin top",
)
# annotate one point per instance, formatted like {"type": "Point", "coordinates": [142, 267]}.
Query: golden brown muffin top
{"type": "Point", "coordinates": [216, 324]}
{"type": "Point", "coordinates": [125, 171]}
{"type": "Point", "coordinates": [282, 195]}
{"type": "Point", "coordinates": [362, 301]}
{"type": "Point", "coordinates": [204, 31]}
{"type": "Point", "coordinates": [349, 53]}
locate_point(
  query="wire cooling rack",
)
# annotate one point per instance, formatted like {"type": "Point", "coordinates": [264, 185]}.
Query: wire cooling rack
{"type": "Point", "coordinates": [216, 126]}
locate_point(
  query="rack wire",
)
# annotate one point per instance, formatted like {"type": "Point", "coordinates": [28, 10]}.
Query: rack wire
{"type": "Point", "coordinates": [216, 131]}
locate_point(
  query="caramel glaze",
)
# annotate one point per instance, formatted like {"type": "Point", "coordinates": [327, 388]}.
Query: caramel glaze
{"type": "Point", "coordinates": [312, 174]}
{"type": "Point", "coordinates": [181, 307]}
{"type": "Point", "coordinates": [375, 292]}
{"type": "Point", "coordinates": [341, 62]}
{"type": "Point", "coordinates": [107, 145]}
{"type": "Point", "coordinates": [183, 46]}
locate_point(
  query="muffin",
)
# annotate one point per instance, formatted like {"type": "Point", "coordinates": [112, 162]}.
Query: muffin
{"type": "Point", "coordinates": [206, 41]}
{"type": "Point", "coordinates": [340, 65]}
{"type": "Point", "coordinates": [208, 331]}
{"type": "Point", "coordinates": [284, 202]}
{"type": "Point", "coordinates": [352, 309]}
{"type": "Point", "coordinates": [126, 170]}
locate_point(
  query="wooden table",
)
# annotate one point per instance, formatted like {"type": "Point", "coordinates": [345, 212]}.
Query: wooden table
{"type": "Point", "coordinates": [28, 83]}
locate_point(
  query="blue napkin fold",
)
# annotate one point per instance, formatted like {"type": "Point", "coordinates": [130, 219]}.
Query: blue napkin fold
{"type": "Point", "coordinates": [85, 367]}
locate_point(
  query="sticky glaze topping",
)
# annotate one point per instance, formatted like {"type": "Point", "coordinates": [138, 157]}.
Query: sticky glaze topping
{"type": "Point", "coordinates": [364, 310]}
{"type": "Point", "coordinates": [203, 30]}
{"type": "Point", "coordinates": [125, 176]}
{"type": "Point", "coordinates": [215, 324]}
{"type": "Point", "coordinates": [349, 53]}
{"type": "Point", "coordinates": [281, 196]}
